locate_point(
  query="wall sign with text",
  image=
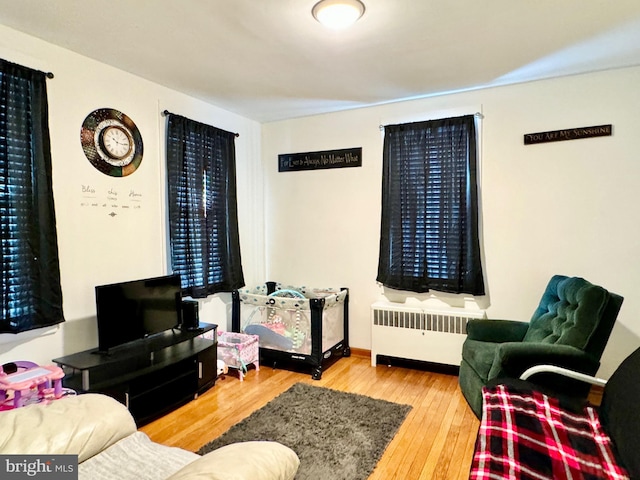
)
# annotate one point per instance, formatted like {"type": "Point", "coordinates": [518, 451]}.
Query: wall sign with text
{"type": "Point", "coordinates": [568, 134]}
{"type": "Point", "coordinates": [293, 162]}
{"type": "Point", "coordinates": [110, 200]}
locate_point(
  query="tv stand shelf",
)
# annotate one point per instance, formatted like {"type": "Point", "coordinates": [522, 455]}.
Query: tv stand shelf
{"type": "Point", "coordinates": [150, 376]}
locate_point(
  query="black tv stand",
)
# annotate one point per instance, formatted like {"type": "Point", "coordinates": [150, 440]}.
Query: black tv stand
{"type": "Point", "coordinates": [150, 376]}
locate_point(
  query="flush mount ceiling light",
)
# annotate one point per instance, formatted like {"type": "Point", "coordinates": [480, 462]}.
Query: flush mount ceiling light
{"type": "Point", "coordinates": [338, 14]}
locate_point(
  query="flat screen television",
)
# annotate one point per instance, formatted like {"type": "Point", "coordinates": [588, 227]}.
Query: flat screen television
{"type": "Point", "coordinates": [133, 310]}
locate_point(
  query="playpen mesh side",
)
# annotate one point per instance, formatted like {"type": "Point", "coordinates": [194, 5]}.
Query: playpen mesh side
{"type": "Point", "coordinates": [285, 323]}
{"type": "Point", "coordinates": [333, 320]}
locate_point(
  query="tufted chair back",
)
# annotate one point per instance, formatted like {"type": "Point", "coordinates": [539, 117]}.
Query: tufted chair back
{"type": "Point", "coordinates": [574, 312]}
{"type": "Point", "coordinates": [569, 328]}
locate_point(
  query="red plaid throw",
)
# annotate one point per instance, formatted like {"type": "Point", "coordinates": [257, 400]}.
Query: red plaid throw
{"type": "Point", "coordinates": [526, 435]}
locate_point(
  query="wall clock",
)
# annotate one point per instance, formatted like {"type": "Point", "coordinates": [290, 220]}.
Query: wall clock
{"type": "Point", "coordinates": [111, 142]}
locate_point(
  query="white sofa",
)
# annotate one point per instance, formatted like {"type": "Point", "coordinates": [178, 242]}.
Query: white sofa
{"type": "Point", "coordinates": [103, 434]}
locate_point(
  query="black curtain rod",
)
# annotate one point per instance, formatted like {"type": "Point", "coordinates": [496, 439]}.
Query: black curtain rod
{"type": "Point", "coordinates": [477, 115]}
{"type": "Point", "coordinates": [167, 112]}
{"type": "Point", "coordinates": [47, 74]}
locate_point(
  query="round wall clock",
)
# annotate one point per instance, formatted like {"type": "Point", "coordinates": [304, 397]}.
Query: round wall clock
{"type": "Point", "coordinates": [111, 142]}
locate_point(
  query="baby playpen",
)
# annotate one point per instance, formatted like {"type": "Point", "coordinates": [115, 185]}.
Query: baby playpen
{"type": "Point", "coordinates": [295, 325]}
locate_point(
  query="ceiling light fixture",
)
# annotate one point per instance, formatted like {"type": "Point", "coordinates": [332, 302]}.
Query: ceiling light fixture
{"type": "Point", "coordinates": [338, 14]}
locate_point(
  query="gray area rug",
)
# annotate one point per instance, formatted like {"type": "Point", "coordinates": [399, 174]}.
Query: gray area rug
{"type": "Point", "coordinates": [337, 435]}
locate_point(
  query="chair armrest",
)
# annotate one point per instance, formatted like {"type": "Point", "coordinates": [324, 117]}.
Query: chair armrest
{"type": "Point", "coordinates": [257, 460]}
{"type": "Point", "coordinates": [564, 372]}
{"type": "Point", "coordinates": [512, 359]}
{"type": "Point", "coordinates": [497, 331]}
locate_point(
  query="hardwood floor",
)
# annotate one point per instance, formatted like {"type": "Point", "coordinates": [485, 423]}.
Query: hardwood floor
{"type": "Point", "coordinates": [435, 441]}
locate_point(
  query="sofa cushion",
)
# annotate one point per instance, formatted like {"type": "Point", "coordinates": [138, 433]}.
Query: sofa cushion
{"type": "Point", "coordinates": [568, 313]}
{"type": "Point", "coordinates": [135, 457]}
{"type": "Point", "coordinates": [82, 425]}
{"type": "Point", "coordinates": [258, 460]}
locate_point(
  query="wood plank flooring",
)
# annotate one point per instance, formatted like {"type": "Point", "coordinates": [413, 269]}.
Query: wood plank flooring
{"type": "Point", "coordinates": [435, 441]}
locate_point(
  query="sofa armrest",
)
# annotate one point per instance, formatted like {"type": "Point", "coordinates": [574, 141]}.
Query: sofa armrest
{"type": "Point", "coordinates": [82, 425]}
{"type": "Point", "coordinates": [243, 461]}
{"type": "Point", "coordinates": [497, 331]}
{"type": "Point", "coordinates": [512, 359]}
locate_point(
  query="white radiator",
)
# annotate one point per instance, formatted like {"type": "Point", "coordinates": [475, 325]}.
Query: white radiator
{"type": "Point", "coordinates": [415, 333]}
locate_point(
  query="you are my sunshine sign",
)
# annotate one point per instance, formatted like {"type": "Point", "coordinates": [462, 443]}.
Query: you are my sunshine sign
{"type": "Point", "coordinates": [568, 134]}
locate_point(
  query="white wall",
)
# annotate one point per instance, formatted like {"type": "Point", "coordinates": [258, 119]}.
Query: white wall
{"type": "Point", "coordinates": [568, 207]}
{"type": "Point", "coordinates": [94, 247]}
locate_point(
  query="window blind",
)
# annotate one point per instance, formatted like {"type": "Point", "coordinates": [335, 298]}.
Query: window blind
{"type": "Point", "coordinates": [31, 292]}
{"type": "Point", "coordinates": [429, 228]}
{"type": "Point", "coordinates": [205, 246]}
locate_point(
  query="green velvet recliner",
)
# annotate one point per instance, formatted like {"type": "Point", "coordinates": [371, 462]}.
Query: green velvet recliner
{"type": "Point", "coordinates": [570, 329]}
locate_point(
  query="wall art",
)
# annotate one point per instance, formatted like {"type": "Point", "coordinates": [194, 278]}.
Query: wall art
{"type": "Point", "coordinates": [568, 134]}
{"type": "Point", "coordinates": [292, 162]}
{"type": "Point", "coordinates": [111, 142]}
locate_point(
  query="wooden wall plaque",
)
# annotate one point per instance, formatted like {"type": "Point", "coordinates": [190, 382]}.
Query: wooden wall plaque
{"type": "Point", "coordinates": [293, 162]}
{"type": "Point", "coordinates": [568, 134]}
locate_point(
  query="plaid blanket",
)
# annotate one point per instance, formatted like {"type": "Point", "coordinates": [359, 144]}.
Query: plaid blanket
{"type": "Point", "coordinates": [527, 435]}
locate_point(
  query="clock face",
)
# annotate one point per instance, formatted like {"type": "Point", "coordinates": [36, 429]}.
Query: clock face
{"type": "Point", "coordinates": [116, 142]}
{"type": "Point", "coordinates": [111, 142]}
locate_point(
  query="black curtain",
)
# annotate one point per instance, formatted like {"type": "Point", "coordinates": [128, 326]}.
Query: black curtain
{"type": "Point", "coordinates": [429, 228]}
{"type": "Point", "coordinates": [203, 218]}
{"type": "Point", "coordinates": [31, 292]}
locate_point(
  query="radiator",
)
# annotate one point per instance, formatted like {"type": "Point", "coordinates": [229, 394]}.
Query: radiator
{"type": "Point", "coordinates": [416, 333]}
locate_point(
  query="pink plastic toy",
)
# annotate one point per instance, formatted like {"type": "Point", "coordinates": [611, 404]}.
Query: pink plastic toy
{"type": "Point", "coordinates": [25, 379]}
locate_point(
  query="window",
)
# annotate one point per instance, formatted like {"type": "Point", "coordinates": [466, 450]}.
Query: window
{"type": "Point", "coordinates": [31, 293]}
{"type": "Point", "coordinates": [203, 219]}
{"type": "Point", "coordinates": [429, 229]}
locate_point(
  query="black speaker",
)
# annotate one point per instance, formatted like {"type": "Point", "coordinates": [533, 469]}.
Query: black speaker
{"type": "Point", "coordinates": [190, 319]}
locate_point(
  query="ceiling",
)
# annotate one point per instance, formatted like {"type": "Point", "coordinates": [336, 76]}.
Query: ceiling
{"type": "Point", "coordinates": [270, 60]}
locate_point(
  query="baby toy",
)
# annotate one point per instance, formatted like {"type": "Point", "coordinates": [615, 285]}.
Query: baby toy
{"type": "Point", "coordinates": [30, 383]}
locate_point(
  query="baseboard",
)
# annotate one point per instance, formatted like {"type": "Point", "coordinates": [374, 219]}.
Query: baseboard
{"type": "Point", "coordinates": [413, 364]}
{"type": "Point", "coordinates": [360, 352]}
